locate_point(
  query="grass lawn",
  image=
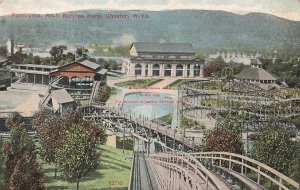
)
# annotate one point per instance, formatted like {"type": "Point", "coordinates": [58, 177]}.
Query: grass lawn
{"type": "Point", "coordinates": [84, 102]}
{"type": "Point", "coordinates": [113, 172]}
{"type": "Point", "coordinates": [187, 123]}
{"type": "Point", "coordinates": [167, 118]}
{"type": "Point", "coordinates": [176, 85]}
{"type": "Point", "coordinates": [139, 83]}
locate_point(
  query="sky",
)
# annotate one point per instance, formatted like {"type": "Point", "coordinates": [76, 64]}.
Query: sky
{"type": "Point", "coordinates": [289, 9]}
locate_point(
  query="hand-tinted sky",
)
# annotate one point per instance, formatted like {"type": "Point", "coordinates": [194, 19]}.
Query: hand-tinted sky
{"type": "Point", "coordinates": [289, 9]}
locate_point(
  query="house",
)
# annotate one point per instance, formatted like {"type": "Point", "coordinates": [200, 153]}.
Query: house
{"type": "Point", "coordinates": [59, 101]}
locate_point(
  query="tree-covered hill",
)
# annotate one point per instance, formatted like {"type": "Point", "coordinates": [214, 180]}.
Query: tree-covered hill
{"type": "Point", "coordinates": [204, 29]}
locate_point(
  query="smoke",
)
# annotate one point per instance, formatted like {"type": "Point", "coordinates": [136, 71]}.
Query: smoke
{"type": "Point", "coordinates": [123, 40]}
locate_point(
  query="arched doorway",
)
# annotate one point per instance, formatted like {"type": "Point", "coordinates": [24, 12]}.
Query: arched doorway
{"type": "Point", "coordinates": [197, 70]}
{"type": "Point", "coordinates": [75, 82]}
{"type": "Point", "coordinates": [87, 82]}
{"type": "Point", "coordinates": [138, 69]}
{"type": "Point", "coordinates": [168, 70]}
{"type": "Point", "coordinates": [156, 70]}
{"type": "Point", "coordinates": [179, 70]}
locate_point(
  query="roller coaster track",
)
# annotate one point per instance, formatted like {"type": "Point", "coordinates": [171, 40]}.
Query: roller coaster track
{"type": "Point", "coordinates": [180, 170]}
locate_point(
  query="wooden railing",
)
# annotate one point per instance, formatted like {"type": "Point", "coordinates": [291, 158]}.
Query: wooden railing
{"type": "Point", "coordinates": [179, 170]}
{"type": "Point", "coordinates": [227, 160]}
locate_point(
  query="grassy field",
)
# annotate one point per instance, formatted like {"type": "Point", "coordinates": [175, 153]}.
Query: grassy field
{"type": "Point", "coordinates": [176, 85]}
{"type": "Point", "coordinates": [113, 173]}
{"type": "Point", "coordinates": [139, 83]}
{"type": "Point", "coordinates": [167, 118]}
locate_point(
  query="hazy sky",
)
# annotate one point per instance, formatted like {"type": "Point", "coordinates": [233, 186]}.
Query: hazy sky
{"type": "Point", "coordinates": [289, 9]}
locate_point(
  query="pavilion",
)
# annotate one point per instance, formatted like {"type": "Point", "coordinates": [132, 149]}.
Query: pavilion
{"type": "Point", "coordinates": [260, 77]}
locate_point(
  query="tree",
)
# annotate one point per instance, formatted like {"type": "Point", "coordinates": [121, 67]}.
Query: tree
{"type": "Point", "coordinates": [22, 169]}
{"type": "Point", "coordinates": [273, 147]}
{"type": "Point", "coordinates": [79, 156]}
{"type": "Point", "coordinates": [57, 52]}
{"type": "Point", "coordinates": [36, 60]}
{"type": "Point", "coordinates": [3, 175]}
{"type": "Point", "coordinates": [3, 51]}
{"type": "Point", "coordinates": [14, 120]}
{"type": "Point", "coordinates": [222, 140]}
{"type": "Point", "coordinates": [103, 94]}
{"type": "Point", "coordinates": [294, 168]}
{"type": "Point", "coordinates": [26, 174]}
{"type": "Point", "coordinates": [82, 52]}
{"type": "Point", "coordinates": [50, 134]}
{"type": "Point", "coordinates": [113, 66]}
{"type": "Point", "coordinates": [19, 57]}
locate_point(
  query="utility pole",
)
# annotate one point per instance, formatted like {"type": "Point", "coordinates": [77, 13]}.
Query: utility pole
{"type": "Point", "coordinates": [123, 139]}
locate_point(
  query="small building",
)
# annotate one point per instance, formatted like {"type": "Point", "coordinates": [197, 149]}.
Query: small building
{"type": "Point", "coordinates": [79, 72]}
{"type": "Point", "coordinates": [163, 60]}
{"type": "Point", "coordinates": [257, 74]}
{"type": "Point", "coordinates": [78, 78]}
{"type": "Point", "coordinates": [59, 101]}
{"type": "Point", "coordinates": [32, 73]}
{"type": "Point", "coordinates": [260, 77]}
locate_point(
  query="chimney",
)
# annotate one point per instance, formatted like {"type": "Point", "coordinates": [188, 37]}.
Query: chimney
{"type": "Point", "coordinates": [12, 47]}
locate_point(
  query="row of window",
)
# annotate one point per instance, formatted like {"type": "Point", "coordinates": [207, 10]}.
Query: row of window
{"type": "Point", "coordinates": [168, 56]}
{"type": "Point", "coordinates": [168, 66]}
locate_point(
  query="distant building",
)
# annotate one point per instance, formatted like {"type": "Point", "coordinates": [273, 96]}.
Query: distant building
{"type": "Point", "coordinates": [59, 101]}
{"type": "Point", "coordinates": [32, 73]}
{"type": "Point", "coordinates": [162, 60]}
{"type": "Point", "coordinates": [260, 77]}
{"type": "Point", "coordinates": [235, 57]}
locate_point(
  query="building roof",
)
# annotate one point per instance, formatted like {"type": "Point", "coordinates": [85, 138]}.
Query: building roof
{"type": "Point", "coordinates": [102, 71]}
{"type": "Point", "coordinates": [61, 96]}
{"type": "Point", "coordinates": [88, 63]}
{"type": "Point", "coordinates": [37, 66]}
{"type": "Point", "coordinates": [144, 47]}
{"type": "Point", "coordinates": [256, 62]}
{"type": "Point", "coordinates": [256, 74]}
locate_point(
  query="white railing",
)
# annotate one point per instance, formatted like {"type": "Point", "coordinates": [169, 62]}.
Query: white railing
{"type": "Point", "coordinates": [179, 170]}
{"type": "Point", "coordinates": [244, 162]}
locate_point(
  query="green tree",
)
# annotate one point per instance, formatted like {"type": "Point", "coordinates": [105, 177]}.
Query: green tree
{"type": "Point", "coordinates": [294, 169]}
{"type": "Point", "coordinates": [50, 134]}
{"type": "Point", "coordinates": [57, 53]}
{"type": "Point", "coordinates": [23, 172]}
{"type": "Point", "coordinates": [3, 175]}
{"type": "Point", "coordinates": [79, 156]}
{"type": "Point", "coordinates": [82, 52]}
{"type": "Point", "coordinates": [273, 147]}
{"type": "Point", "coordinates": [103, 94]}
{"type": "Point", "coordinates": [113, 66]}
